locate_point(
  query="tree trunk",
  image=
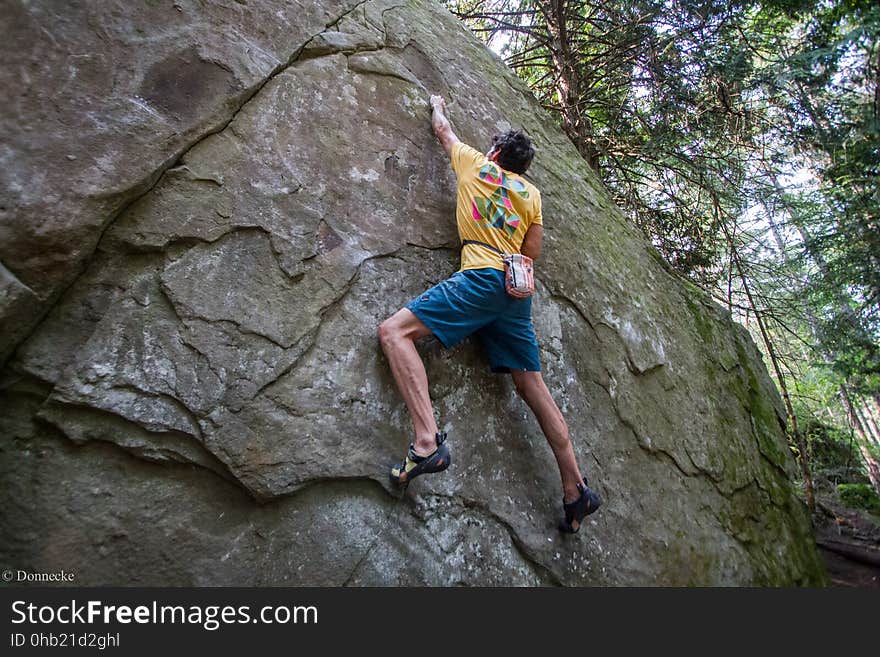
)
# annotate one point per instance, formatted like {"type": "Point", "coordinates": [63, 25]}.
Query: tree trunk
{"type": "Point", "coordinates": [799, 438]}
{"type": "Point", "coordinates": [800, 442]}
{"type": "Point", "coordinates": [576, 122]}
{"type": "Point", "coordinates": [866, 426]}
{"type": "Point", "coordinates": [871, 464]}
{"type": "Point", "coordinates": [870, 420]}
{"type": "Point", "coordinates": [873, 467]}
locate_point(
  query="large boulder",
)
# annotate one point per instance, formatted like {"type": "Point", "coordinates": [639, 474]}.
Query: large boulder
{"type": "Point", "coordinates": [208, 211]}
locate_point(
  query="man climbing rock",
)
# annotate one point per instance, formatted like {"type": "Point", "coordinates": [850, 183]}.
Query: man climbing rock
{"type": "Point", "coordinates": [498, 212]}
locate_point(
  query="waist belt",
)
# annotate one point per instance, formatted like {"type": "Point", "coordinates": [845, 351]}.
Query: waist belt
{"type": "Point", "coordinates": [519, 278]}
{"type": "Point", "coordinates": [488, 246]}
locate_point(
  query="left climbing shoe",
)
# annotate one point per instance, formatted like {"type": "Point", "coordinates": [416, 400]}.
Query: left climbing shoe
{"type": "Point", "coordinates": [414, 465]}
{"type": "Point", "coordinates": [588, 502]}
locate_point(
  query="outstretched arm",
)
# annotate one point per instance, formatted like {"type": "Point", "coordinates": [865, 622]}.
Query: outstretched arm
{"type": "Point", "coordinates": [441, 125]}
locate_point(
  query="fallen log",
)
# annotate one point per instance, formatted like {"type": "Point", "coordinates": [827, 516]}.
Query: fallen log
{"type": "Point", "coordinates": [860, 553]}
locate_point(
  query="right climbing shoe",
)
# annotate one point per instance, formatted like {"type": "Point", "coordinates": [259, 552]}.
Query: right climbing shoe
{"type": "Point", "coordinates": [414, 465]}
{"type": "Point", "coordinates": [576, 511]}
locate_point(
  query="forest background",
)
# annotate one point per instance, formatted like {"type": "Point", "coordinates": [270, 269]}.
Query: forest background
{"type": "Point", "coordinates": [743, 138]}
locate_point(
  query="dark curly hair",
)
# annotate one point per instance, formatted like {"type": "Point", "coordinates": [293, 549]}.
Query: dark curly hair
{"type": "Point", "coordinates": [515, 150]}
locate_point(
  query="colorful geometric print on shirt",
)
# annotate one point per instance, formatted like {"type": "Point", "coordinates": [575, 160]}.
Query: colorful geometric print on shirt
{"type": "Point", "coordinates": [497, 210]}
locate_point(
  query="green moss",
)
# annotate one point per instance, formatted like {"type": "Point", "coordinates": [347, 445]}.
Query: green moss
{"type": "Point", "coordinates": [860, 496]}
{"type": "Point", "coordinates": [703, 324]}
{"type": "Point", "coordinates": [685, 564]}
{"type": "Point", "coordinates": [762, 411]}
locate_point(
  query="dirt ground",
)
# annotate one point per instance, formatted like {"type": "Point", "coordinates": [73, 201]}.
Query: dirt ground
{"type": "Point", "coordinates": [849, 542]}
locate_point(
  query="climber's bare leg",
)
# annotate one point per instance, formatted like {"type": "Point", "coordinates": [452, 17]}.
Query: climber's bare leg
{"type": "Point", "coordinates": [397, 335]}
{"type": "Point", "coordinates": [531, 387]}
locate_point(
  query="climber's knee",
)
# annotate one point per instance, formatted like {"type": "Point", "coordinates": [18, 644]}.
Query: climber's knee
{"type": "Point", "coordinates": [388, 332]}
{"type": "Point", "coordinates": [385, 329]}
{"type": "Point", "coordinates": [402, 325]}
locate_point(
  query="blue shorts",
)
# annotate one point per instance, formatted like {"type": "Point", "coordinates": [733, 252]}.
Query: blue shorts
{"type": "Point", "coordinates": [475, 301]}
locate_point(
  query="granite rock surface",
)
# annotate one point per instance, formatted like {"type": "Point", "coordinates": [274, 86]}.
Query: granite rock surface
{"type": "Point", "coordinates": [208, 210]}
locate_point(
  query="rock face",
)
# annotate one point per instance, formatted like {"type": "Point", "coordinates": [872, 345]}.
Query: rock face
{"type": "Point", "coordinates": [207, 211]}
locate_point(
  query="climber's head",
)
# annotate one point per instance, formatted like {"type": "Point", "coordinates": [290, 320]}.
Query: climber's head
{"type": "Point", "coordinates": [512, 150]}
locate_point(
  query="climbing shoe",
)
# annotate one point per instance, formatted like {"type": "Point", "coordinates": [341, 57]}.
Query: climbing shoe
{"type": "Point", "coordinates": [576, 511]}
{"type": "Point", "coordinates": [414, 465]}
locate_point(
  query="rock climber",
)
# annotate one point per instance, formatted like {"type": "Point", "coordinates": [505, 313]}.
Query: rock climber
{"type": "Point", "coordinates": [498, 212]}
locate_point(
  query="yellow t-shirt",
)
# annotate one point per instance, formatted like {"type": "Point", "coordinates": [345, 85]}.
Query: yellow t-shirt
{"type": "Point", "coordinates": [495, 206]}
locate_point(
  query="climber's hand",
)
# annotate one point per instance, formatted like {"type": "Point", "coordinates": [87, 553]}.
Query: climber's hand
{"type": "Point", "coordinates": [441, 125]}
